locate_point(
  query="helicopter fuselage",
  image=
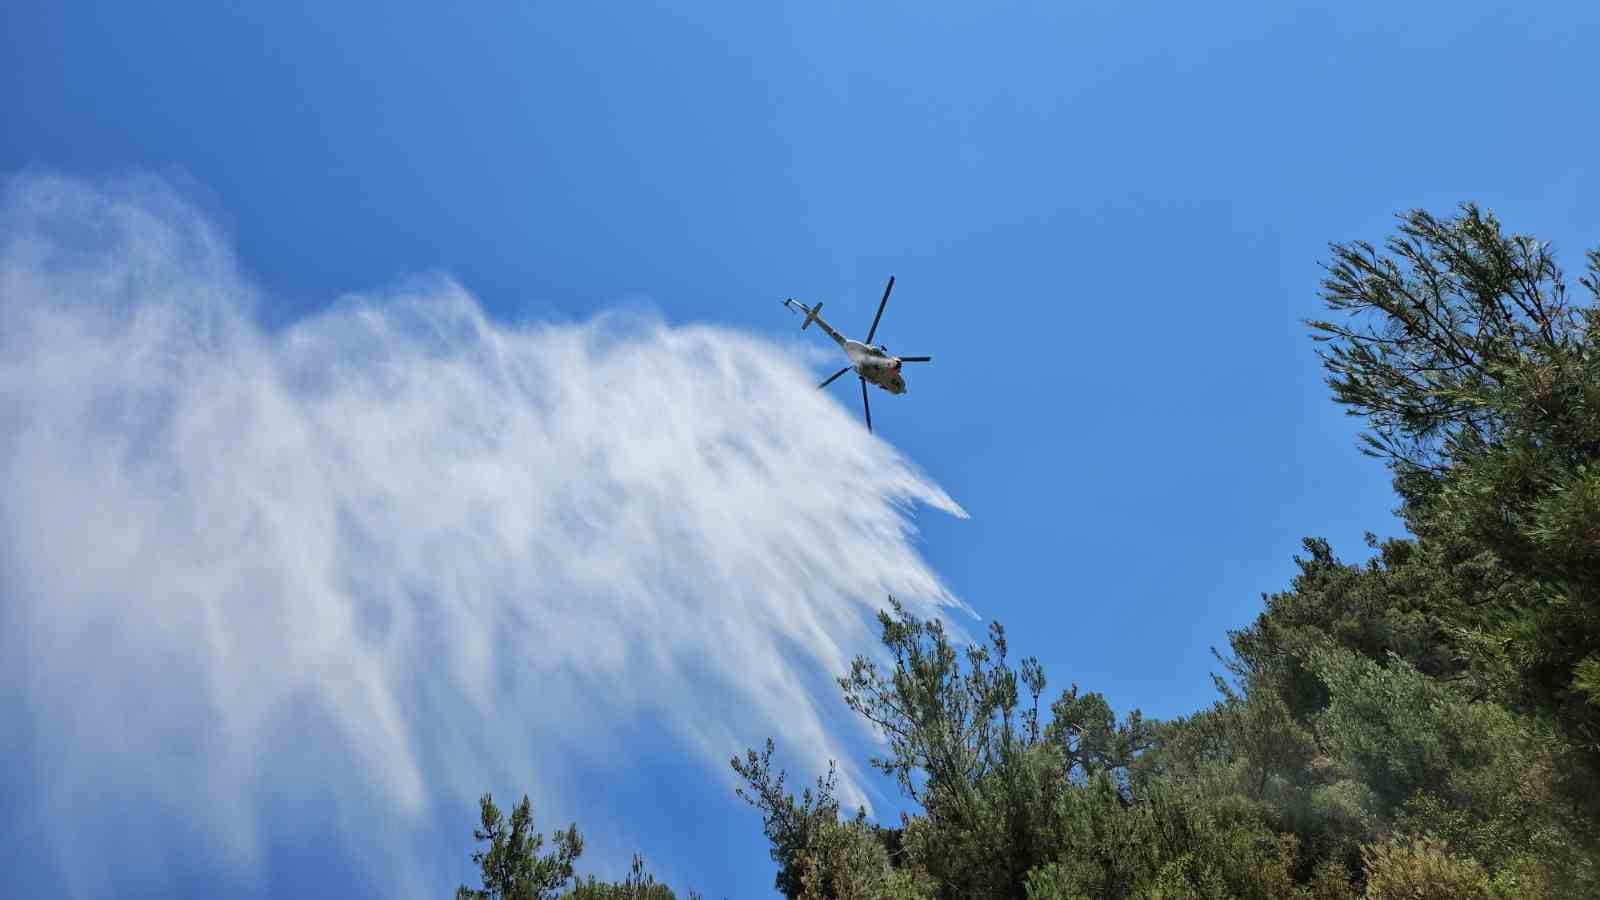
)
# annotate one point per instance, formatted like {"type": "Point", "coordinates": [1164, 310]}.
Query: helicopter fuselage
{"type": "Point", "coordinates": [872, 363]}
{"type": "Point", "coordinates": [875, 365]}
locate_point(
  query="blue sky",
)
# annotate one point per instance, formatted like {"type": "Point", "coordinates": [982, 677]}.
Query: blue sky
{"type": "Point", "coordinates": [1104, 219]}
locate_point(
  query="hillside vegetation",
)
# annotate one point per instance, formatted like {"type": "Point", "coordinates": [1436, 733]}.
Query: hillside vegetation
{"type": "Point", "coordinates": [1422, 725]}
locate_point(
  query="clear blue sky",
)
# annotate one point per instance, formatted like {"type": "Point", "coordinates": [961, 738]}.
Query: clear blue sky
{"type": "Point", "coordinates": [1105, 220]}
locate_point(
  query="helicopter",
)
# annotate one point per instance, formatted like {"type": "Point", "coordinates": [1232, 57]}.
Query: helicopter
{"type": "Point", "coordinates": [871, 363]}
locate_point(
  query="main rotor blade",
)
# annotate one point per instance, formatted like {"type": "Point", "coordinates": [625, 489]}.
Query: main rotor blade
{"type": "Point", "coordinates": [915, 358]}
{"type": "Point", "coordinates": [881, 303]}
{"type": "Point", "coordinates": [865, 405]}
{"type": "Point", "coordinates": [833, 376]}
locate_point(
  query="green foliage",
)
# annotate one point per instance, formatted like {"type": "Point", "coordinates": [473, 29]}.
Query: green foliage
{"type": "Point", "coordinates": [951, 726]}
{"type": "Point", "coordinates": [990, 769]}
{"type": "Point", "coordinates": [1436, 327]}
{"type": "Point", "coordinates": [1329, 881]}
{"type": "Point", "coordinates": [638, 885]}
{"type": "Point", "coordinates": [1586, 678]}
{"type": "Point", "coordinates": [983, 841]}
{"type": "Point", "coordinates": [1419, 868]}
{"type": "Point", "coordinates": [1175, 842]}
{"type": "Point", "coordinates": [1329, 742]}
{"type": "Point", "coordinates": [1481, 383]}
{"type": "Point", "coordinates": [1474, 773]}
{"type": "Point", "coordinates": [1091, 740]}
{"type": "Point", "coordinates": [847, 861]}
{"type": "Point", "coordinates": [818, 854]}
{"type": "Point", "coordinates": [803, 832]}
{"type": "Point", "coordinates": [1388, 726]}
{"type": "Point", "coordinates": [512, 867]}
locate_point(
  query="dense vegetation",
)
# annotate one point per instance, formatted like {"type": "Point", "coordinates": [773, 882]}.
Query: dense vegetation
{"type": "Point", "coordinates": [1424, 725]}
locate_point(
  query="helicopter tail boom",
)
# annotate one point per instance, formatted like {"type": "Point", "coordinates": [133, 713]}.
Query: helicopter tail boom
{"type": "Point", "coordinates": [811, 316]}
